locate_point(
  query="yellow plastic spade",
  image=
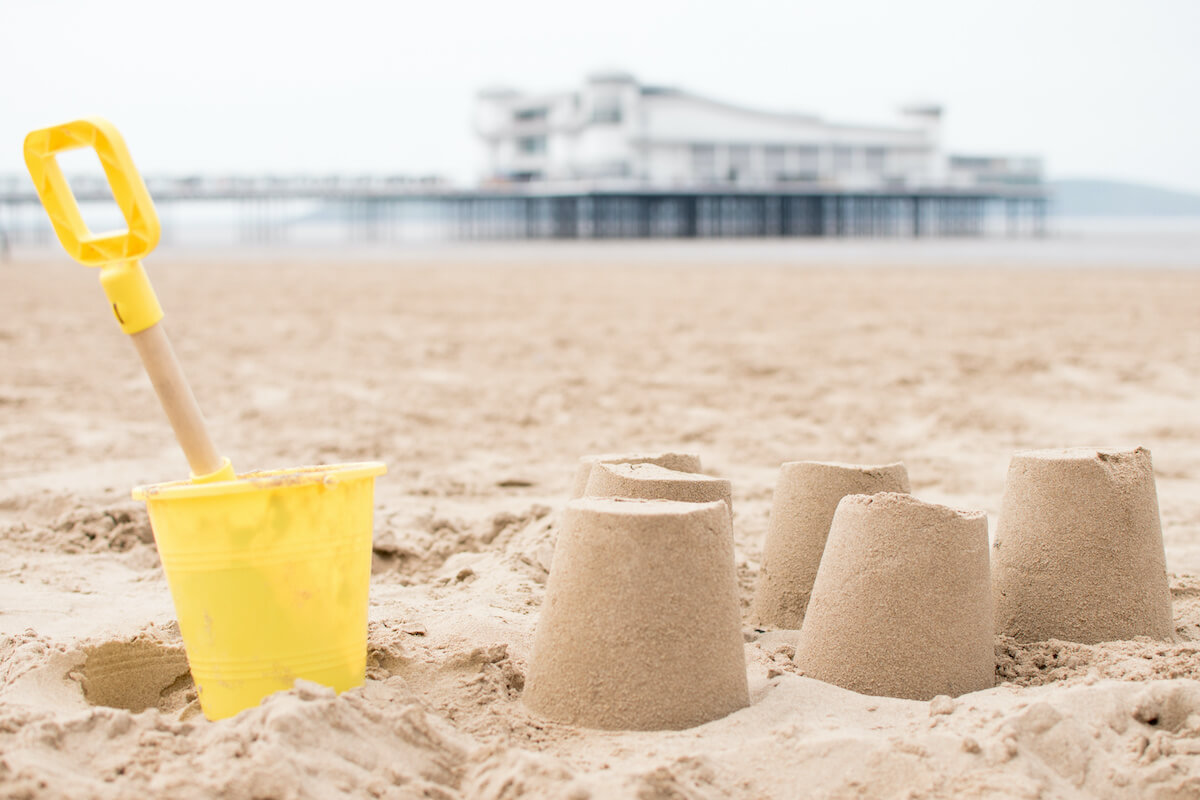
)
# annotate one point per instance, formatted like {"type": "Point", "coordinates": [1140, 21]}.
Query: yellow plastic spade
{"type": "Point", "coordinates": [118, 255]}
{"type": "Point", "coordinates": [269, 571]}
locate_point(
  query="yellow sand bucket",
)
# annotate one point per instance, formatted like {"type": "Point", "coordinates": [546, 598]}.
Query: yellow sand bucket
{"type": "Point", "coordinates": [269, 573]}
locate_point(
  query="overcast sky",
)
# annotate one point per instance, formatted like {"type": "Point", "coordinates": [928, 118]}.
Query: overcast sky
{"type": "Point", "coordinates": [1098, 88]}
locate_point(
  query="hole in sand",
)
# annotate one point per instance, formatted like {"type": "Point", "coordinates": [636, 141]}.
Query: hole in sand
{"type": "Point", "coordinates": [137, 674]}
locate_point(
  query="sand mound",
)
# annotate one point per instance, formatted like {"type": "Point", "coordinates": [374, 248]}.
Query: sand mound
{"type": "Point", "coordinates": [1078, 550]}
{"type": "Point", "coordinates": [117, 528]}
{"type": "Point", "coordinates": [640, 628]}
{"type": "Point", "coordinates": [680, 462]}
{"type": "Point", "coordinates": [652, 482]}
{"type": "Point", "coordinates": [806, 495]}
{"type": "Point", "coordinates": [902, 602]}
{"type": "Point", "coordinates": [385, 745]}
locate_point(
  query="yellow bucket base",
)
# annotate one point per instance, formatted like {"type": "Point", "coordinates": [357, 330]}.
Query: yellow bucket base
{"type": "Point", "coordinates": [269, 573]}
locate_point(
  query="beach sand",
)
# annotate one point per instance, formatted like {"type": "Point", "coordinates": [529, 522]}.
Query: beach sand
{"type": "Point", "coordinates": [481, 385]}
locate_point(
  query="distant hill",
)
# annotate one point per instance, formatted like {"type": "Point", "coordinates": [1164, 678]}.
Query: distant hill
{"type": "Point", "coordinates": [1089, 198]}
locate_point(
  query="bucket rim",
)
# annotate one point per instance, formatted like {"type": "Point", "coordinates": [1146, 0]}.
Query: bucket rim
{"type": "Point", "coordinates": [262, 480]}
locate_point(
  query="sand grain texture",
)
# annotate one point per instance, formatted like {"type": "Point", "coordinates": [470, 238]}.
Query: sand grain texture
{"type": "Point", "coordinates": [477, 383]}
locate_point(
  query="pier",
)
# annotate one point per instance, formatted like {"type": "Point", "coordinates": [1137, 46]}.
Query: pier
{"type": "Point", "coordinates": [718, 214]}
{"type": "Point", "coordinates": [396, 209]}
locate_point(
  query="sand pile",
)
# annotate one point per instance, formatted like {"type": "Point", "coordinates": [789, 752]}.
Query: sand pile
{"type": "Point", "coordinates": [1079, 550]}
{"type": "Point", "coordinates": [652, 482]}
{"type": "Point", "coordinates": [119, 528]}
{"type": "Point", "coordinates": [680, 462]}
{"type": "Point", "coordinates": [386, 745]}
{"type": "Point", "coordinates": [640, 628]}
{"type": "Point", "coordinates": [806, 495]}
{"type": "Point", "coordinates": [417, 546]}
{"type": "Point", "coordinates": [901, 605]}
{"type": "Point", "coordinates": [1058, 662]}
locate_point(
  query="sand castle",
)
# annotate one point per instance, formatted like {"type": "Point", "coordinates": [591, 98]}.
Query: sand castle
{"type": "Point", "coordinates": [901, 604]}
{"type": "Point", "coordinates": [652, 482]}
{"type": "Point", "coordinates": [806, 495]}
{"type": "Point", "coordinates": [1079, 551]}
{"type": "Point", "coordinates": [640, 628]}
{"type": "Point", "coordinates": [681, 462]}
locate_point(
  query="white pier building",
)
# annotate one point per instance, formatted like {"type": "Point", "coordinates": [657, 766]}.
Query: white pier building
{"type": "Point", "coordinates": [615, 133]}
{"type": "Point", "coordinates": [618, 159]}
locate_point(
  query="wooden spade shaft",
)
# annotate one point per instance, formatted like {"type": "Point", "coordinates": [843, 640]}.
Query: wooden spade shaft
{"type": "Point", "coordinates": [177, 399]}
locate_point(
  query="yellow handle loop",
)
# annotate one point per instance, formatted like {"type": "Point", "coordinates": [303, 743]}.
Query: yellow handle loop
{"type": "Point", "coordinates": [117, 253]}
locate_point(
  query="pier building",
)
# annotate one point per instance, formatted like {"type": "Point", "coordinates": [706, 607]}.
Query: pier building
{"type": "Point", "coordinates": [613, 132]}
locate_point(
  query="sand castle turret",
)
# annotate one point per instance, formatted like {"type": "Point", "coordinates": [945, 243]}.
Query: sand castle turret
{"type": "Point", "coordinates": [682, 462]}
{"type": "Point", "coordinates": [806, 495]}
{"type": "Point", "coordinates": [640, 628]}
{"type": "Point", "coordinates": [652, 482]}
{"type": "Point", "coordinates": [901, 605]}
{"type": "Point", "coordinates": [1079, 551]}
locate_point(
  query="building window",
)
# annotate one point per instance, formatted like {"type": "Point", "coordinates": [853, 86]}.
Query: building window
{"type": "Point", "coordinates": [531, 114]}
{"type": "Point", "coordinates": [739, 162]}
{"type": "Point", "coordinates": [704, 162]}
{"type": "Point", "coordinates": [606, 109]}
{"type": "Point", "coordinates": [774, 163]}
{"type": "Point", "coordinates": [611, 169]}
{"type": "Point", "coordinates": [808, 160]}
{"type": "Point", "coordinates": [876, 157]}
{"type": "Point", "coordinates": [843, 159]}
{"type": "Point", "coordinates": [531, 145]}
